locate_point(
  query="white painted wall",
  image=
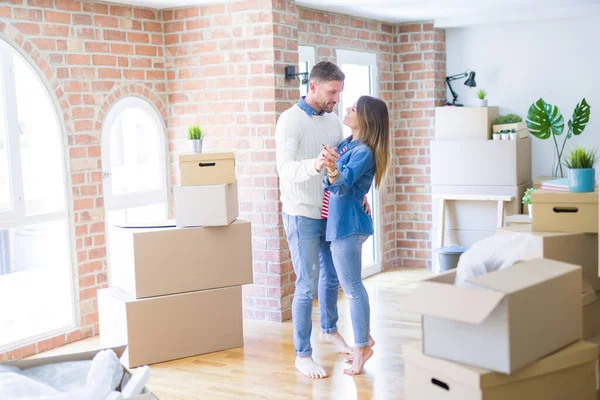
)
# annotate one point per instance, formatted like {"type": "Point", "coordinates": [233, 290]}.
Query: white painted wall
{"type": "Point", "coordinates": [517, 63]}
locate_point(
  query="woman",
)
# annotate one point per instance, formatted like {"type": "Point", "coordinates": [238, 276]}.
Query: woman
{"type": "Point", "coordinates": [361, 158]}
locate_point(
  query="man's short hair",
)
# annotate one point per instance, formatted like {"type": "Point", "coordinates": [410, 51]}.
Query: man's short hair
{"type": "Point", "coordinates": [326, 71]}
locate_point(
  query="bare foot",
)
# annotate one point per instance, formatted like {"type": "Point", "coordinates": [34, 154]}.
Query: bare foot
{"type": "Point", "coordinates": [350, 358]}
{"type": "Point", "coordinates": [361, 355]}
{"type": "Point", "coordinates": [338, 340]}
{"type": "Point", "coordinates": [308, 367]}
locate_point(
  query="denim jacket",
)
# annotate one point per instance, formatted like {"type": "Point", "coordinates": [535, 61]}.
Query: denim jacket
{"type": "Point", "coordinates": [356, 168]}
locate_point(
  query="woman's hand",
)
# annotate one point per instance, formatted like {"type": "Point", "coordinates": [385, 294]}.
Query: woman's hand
{"type": "Point", "coordinates": [331, 156]}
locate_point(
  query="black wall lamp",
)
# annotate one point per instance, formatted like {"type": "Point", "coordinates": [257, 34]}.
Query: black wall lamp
{"type": "Point", "coordinates": [470, 82]}
{"type": "Point", "coordinates": [290, 73]}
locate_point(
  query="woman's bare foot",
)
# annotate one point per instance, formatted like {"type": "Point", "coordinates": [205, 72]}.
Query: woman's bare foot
{"type": "Point", "coordinates": [338, 340]}
{"type": "Point", "coordinates": [361, 356]}
{"type": "Point", "coordinates": [350, 358]}
{"type": "Point", "coordinates": [308, 367]}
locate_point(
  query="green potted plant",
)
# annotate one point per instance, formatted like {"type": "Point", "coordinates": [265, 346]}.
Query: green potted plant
{"type": "Point", "coordinates": [504, 133]}
{"type": "Point", "coordinates": [545, 120]}
{"type": "Point", "coordinates": [509, 122]}
{"type": "Point", "coordinates": [195, 136]}
{"type": "Point", "coordinates": [481, 100]}
{"type": "Point", "coordinates": [496, 136]}
{"type": "Point", "coordinates": [526, 200]}
{"type": "Point", "coordinates": [512, 134]}
{"type": "Point", "coordinates": [582, 174]}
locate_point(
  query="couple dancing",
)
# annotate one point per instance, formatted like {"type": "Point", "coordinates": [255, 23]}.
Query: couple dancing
{"type": "Point", "coordinates": [325, 213]}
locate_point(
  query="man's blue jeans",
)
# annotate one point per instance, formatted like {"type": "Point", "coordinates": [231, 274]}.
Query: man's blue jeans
{"type": "Point", "coordinates": [313, 265]}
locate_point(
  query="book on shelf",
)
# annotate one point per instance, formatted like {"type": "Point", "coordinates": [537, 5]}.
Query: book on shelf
{"type": "Point", "coordinates": [558, 185]}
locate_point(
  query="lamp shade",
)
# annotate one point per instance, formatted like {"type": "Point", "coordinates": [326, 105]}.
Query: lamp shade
{"type": "Point", "coordinates": [470, 82]}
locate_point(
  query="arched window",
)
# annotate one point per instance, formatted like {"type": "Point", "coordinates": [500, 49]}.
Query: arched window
{"type": "Point", "coordinates": [36, 287]}
{"type": "Point", "coordinates": [134, 166]}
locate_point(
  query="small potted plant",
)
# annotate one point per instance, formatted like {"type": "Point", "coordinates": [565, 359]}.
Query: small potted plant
{"type": "Point", "coordinates": [510, 122]}
{"type": "Point", "coordinates": [504, 133]}
{"type": "Point", "coordinates": [582, 174]}
{"type": "Point", "coordinates": [481, 100]}
{"type": "Point", "coordinates": [512, 134]}
{"type": "Point", "coordinates": [496, 136]}
{"type": "Point", "coordinates": [195, 136]}
{"type": "Point", "coordinates": [527, 200]}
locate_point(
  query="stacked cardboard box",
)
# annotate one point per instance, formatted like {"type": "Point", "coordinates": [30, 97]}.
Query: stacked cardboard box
{"type": "Point", "coordinates": [464, 161]}
{"type": "Point", "coordinates": [511, 334]}
{"type": "Point", "coordinates": [176, 289]}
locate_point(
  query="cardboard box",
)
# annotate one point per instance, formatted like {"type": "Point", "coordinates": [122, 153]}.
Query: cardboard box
{"type": "Point", "coordinates": [464, 123]}
{"type": "Point", "coordinates": [476, 215]}
{"type": "Point", "coordinates": [537, 182]}
{"type": "Point", "coordinates": [207, 168]}
{"type": "Point", "coordinates": [506, 320]}
{"type": "Point", "coordinates": [567, 374]}
{"type": "Point", "coordinates": [149, 262]}
{"type": "Point", "coordinates": [573, 248]}
{"type": "Point", "coordinates": [481, 162]}
{"type": "Point", "coordinates": [591, 314]}
{"type": "Point", "coordinates": [565, 211]}
{"type": "Point", "coordinates": [83, 356]}
{"type": "Point", "coordinates": [170, 327]}
{"type": "Point", "coordinates": [520, 127]}
{"type": "Point", "coordinates": [206, 205]}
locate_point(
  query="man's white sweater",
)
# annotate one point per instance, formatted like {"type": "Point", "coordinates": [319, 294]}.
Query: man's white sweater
{"type": "Point", "coordinates": [299, 139]}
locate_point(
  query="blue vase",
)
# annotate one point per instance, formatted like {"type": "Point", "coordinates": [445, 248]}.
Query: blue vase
{"type": "Point", "coordinates": [582, 180]}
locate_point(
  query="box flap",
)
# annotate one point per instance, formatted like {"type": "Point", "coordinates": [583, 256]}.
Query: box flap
{"type": "Point", "coordinates": [548, 196]}
{"type": "Point", "coordinates": [523, 275]}
{"type": "Point", "coordinates": [169, 223]}
{"type": "Point", "coordinates": [573, 355]}
{"type": "Point", "coordinates": [446, 300]}
{"type": "Point", "coordinates": [206, 156]}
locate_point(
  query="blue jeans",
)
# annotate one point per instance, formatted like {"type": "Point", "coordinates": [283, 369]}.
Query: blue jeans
{"type": "Point", "coordinates": [311, 257]}
{"type": "Point", "coordinates": [347, 258]}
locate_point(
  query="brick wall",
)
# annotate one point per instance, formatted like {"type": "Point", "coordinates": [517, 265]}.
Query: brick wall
{"type": "Point", "coordinates": [419, 83]}
{"type": "Point", "coordinates": [88, 56]}
{"type": "Point", "coordinates": [222, 66]}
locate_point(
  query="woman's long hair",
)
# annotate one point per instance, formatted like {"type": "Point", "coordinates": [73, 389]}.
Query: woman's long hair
{"type": "Point", "coordinates": [374, 128]}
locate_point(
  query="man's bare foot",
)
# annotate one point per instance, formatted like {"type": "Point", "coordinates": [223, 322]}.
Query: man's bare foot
{"type": "Point", "coordinates": [338, 340]}
{"type": "Point", "coordinates": [308, 367]}
{"type": "Point", "coordinates": [350, 358]}
{"type": "Point", "coordinates": [361, 355]}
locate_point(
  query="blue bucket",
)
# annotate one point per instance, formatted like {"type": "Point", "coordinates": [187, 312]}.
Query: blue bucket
{"type": "Point", "coordinates": [449, 255]}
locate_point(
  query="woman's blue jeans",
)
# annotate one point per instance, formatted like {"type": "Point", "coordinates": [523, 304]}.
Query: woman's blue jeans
{"type": "Point", "coordinates": [311, 258]}
{"type": "Point", "coordinates": [347, 259]}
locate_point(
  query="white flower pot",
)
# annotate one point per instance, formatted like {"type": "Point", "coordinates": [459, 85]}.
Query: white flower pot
{"type": "Point", "coordinates": [195, 145]}
{"type": "Point", "coordinates": [512, 136]}
{"type": "Point", "coordinates": [504, 136]}
{"type": "Point", "coordinates": [481, 102]}
{"type": "Point", "coordinates": [495, 136]}
{"type": "Point", "coordinates": [530, 209]}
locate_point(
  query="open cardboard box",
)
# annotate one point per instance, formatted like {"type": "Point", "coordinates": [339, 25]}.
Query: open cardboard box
{"type": "Point", "coordinates": [83, 356]}
{"type": "Point", "coordinates": [569, 373]}
{"type": "Point", "coordinates": [506, 320]}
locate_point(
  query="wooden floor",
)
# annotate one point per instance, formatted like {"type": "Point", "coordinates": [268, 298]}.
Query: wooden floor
{"type": "Point", "coordinates": [264, 367]}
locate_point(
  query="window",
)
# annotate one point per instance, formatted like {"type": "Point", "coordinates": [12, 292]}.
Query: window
{"type": "Point", "coordinates": [361, 79]}
{"type": "Point", "coordinates": [36, 288]}
{"type": "Point", "coordinates": [306, 56]}
{"type": "Point", "coordinates": [135, 167]}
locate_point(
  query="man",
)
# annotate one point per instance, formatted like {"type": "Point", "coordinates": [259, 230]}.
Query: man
{"type": "Point", "coordinates": [301, 133]}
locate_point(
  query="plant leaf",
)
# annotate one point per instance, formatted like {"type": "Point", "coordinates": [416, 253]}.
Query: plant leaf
{"type": "Point", "coordinates": [544, 119]}
{"type": "Point", "coordinates": [581, 117]}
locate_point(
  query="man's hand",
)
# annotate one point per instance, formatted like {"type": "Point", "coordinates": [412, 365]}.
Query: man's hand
{"type": "Point", "coordinates": [331, 156]}
{"type": "Point", "coordinates": [366, 206]}
{"type": "Point", "coordinates": [320, 160]}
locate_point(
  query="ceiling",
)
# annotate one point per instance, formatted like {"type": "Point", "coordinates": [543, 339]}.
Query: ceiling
{"type": "Point", "coordinates": [445, 13]}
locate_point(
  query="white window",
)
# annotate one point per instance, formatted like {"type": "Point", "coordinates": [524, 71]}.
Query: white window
{"type": "Point", "coordinates": [134, 166]}
{"type": "Point", "coordinates": [36, 287]}
{"type": "Point", "coordinates": [306, 57]}
{"type": "Point", "coordinates": [361, 79]}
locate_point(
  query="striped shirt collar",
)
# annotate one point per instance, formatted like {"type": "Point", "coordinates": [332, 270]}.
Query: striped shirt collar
{"type": "Point", "coordinates": [308, 109]}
